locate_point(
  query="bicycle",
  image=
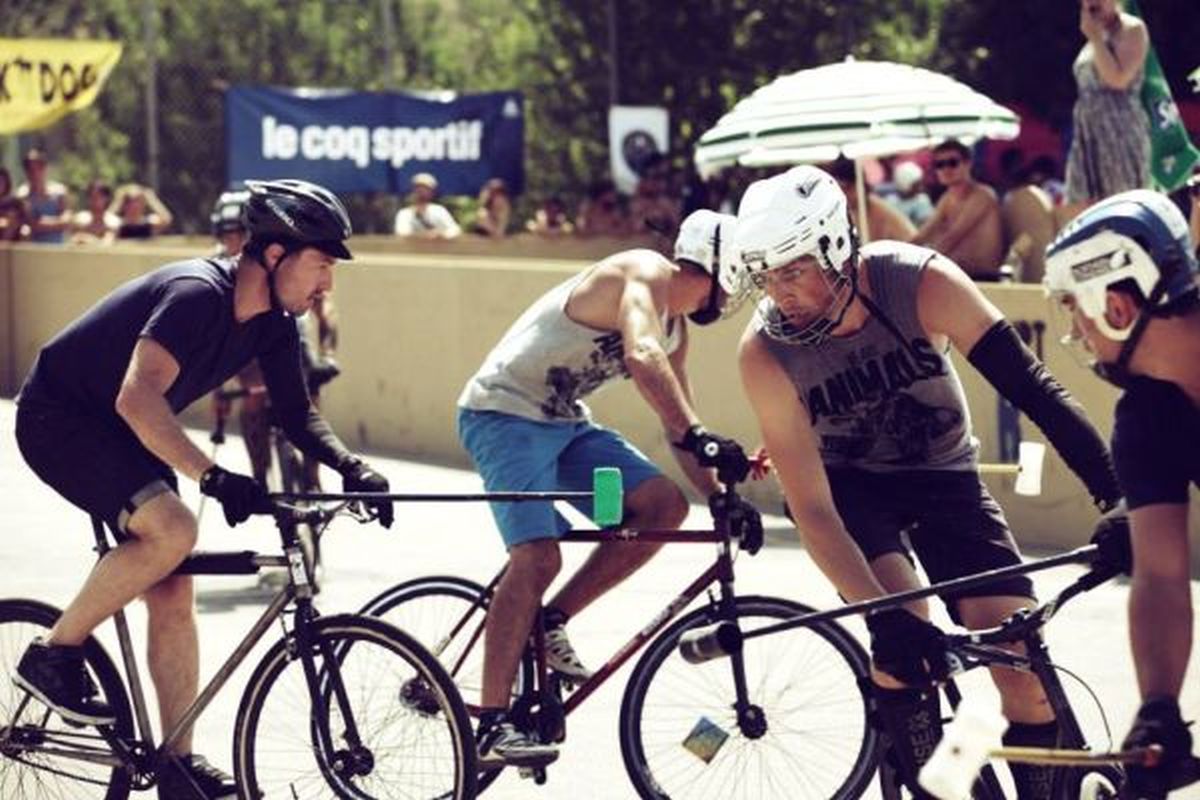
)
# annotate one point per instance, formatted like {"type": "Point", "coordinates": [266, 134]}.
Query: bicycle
{"type": "Point", "coordinates": [1088, 779]}
{"type": "Point", "coordinates": [677, 726]}
{"type": "Point", "coordinates": [330, 708]}
{"type": "Point", "coordinates": [287, 475]}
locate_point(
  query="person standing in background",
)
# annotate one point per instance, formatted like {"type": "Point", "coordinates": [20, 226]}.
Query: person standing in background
{"type": "Point", "coordinates": [1110, 149]}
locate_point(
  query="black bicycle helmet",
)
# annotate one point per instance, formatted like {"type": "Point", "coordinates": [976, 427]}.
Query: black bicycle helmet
{"type": "Point", "coordinates": [298, 212]}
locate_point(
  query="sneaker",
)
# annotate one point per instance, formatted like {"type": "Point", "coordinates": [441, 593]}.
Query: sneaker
{"type": "Point", "coordinates": [502, 745]}
{"type": "Point", "coordinates": [57, 676]}
{"type": "Point", "coordinates": [189, 777]}
{"type": "Point", "coordinates": [561, 657]}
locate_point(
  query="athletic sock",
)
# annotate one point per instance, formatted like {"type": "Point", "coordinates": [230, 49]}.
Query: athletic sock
{"type": "Point", "coordinates": [1033, 781]}
{"type": "Point", "coordinates": [912, 719]}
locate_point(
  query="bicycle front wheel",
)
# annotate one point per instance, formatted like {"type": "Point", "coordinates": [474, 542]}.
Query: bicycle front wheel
{"type": "Point", "coordinates": [379, 738]}
{"type": "Point", "coordinates": [805, 733]}
{"type": "Point", "coordinates": [41, 756]}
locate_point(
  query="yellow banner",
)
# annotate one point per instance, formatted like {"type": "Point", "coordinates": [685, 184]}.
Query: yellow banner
{"type": "Point", "coordinates": [42, 80]}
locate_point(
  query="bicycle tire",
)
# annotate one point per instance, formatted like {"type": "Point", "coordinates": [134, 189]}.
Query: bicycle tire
{"type": "Point", "coordinates": [666, 735]}
{"type": "Point", "coordinates": [260, 743]}
{"type": "Point", "coordinates": [444, 600]}
{"type": "Point", "coordinates": [20, 621]}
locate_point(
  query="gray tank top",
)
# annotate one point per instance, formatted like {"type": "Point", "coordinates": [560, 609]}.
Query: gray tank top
{"type": "Point", "coordinates": [546, 363]}
{"type": "Point", "coordinates": [884, 399]}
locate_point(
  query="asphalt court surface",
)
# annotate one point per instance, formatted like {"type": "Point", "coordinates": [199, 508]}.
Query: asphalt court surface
{"type": "Point", "coordinates": [45, 554]}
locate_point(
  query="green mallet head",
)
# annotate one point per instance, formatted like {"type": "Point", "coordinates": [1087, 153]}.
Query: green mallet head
{"type": "Point", "coordinates": [608, 497]}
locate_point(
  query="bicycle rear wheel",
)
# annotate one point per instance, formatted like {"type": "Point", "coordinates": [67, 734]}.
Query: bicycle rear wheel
{"type": "Point", "coordinates": [807, 736]}
{"type": "Point", "coordinates": [27, 768]}
{"type": "Point", "coordinates": [403, 749]}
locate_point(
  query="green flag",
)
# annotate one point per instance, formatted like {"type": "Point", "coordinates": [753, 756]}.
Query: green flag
{"type": "Point", "coordinates": [1172, 155]}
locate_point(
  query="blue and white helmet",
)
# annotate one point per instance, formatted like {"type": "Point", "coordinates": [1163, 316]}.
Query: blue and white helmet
{"type": "Point", "coordinates": [1137, 235]}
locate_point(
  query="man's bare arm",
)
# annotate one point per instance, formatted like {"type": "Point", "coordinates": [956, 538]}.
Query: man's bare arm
{"type": "Point", "coordinates": [142, 403]}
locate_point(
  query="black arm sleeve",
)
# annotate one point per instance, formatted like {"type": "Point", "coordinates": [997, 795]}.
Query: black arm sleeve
{"type": "Point", "coordinates": [1010, 366]}
{"type": "Point", "coordinates": [291, 408]}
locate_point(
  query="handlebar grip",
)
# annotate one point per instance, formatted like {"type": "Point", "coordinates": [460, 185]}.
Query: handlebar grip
{"type": "Point", "coordinates": [707, 644]}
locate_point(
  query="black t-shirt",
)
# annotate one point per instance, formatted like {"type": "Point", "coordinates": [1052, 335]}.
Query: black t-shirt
{"type": "Point", "coordinates": [187, 307]}
{"type": "Point", "coordinates": [1156, 443]}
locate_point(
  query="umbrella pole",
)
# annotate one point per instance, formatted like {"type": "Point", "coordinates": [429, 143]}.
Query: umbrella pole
{"type": "Point", "coordinates": [860, 188]}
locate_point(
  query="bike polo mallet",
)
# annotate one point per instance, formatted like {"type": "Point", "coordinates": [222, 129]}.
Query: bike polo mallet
{"type": "Point", "coordinates": [1028, 469]}
{"type": "Point", "coordinates": [217, 437]}
{"type": "Point", "coordinates": [607, 496]}
{"type": "Point", "coordinates": [975, 735]}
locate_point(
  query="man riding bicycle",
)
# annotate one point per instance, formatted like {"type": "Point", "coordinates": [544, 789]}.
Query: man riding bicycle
{"type": "Point", "coordinates": [1125, 273]}
{"type": "Point", "coordinates": [847, 369]}
{"type": "Point", "coordinates": [523, 420]}
{"type": "Point", "coordinates": [254, 411]}
{"type": "Point", "coordinates": [96, 421]}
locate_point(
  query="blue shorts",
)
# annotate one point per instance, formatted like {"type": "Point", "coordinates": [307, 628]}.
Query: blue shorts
{"type": "Point", "coordinates": [515, 454]}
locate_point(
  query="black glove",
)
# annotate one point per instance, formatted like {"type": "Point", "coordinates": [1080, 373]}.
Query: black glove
{"type": "Point", "coordinates": [357, 476]}
{"type": "Point", "coordinates": [239, 495]}
{"type": "Point", "coordinates": [743, 520]}
{"type": "Point", "coordinates": [907, 647]}
{"type": "Point", "coordinates": [711, 450]}
{"type": "Point", "coordinates": [1158, 722]}
{"type": "Point", "coordinates": [1111, 537]}
{"type": "Point", "coordinates": [322, 373]}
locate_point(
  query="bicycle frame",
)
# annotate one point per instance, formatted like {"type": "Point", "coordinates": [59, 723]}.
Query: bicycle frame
{"type": "Point", "coordinates": [719, 572]}
{"type": "Point", "coordinates": [141, 753]}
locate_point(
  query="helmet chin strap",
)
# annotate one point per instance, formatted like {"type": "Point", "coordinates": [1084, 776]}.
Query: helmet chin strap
{"type": "Point", "coordinates": [276, 304]}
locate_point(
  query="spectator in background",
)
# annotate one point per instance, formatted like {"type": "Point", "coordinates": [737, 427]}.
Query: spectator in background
{"type": "Point", "coordinates": [423, 218]}
{"type": "Point", "coordinates": [228, 227]}
{"type": "Point", "coordinates": [138, 212]}
{"type": "Point", "coordinates": [495, 210]}
{"type": "Point", "coordinates": [883, 220]}
{"type": "Point", "coordinates": [47, 203]}
{"type": "Point", "coordinates": [911, 199]}
{"type": "Point", "coordinates": [1110, 151]}
{"type": "Point", "coordinates": [94, 225]}
{"type": "Point", "coordinates": [652, 207]}
{"type": "Point", "coordinates": [12, 211]}
{"type": "Point", "coordinates": [551, 219]}
{"type": "Point", "coordinates": [966, 226]}
{"type": "Point", "coordinates": [600, 213]}
{"type": "Point", "coordinates": [1044, 173]}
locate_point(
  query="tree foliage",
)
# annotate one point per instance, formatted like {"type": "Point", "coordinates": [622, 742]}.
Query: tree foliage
{"type": "Point", "coordinates": [696, 58]}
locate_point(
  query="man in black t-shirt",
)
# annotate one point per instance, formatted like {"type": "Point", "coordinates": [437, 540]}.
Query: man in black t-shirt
{"type": "Point", "coordinates": [1125, 272]}
{"type": "Point", "coordinates": [96, 421]}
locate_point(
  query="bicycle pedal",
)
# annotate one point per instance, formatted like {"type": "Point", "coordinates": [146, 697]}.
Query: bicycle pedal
{"type": "Point", "coordinates": [538, 774]}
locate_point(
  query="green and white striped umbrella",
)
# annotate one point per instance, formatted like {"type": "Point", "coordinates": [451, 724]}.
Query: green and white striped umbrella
{"type": "Point", "coordinates": [852, 109]}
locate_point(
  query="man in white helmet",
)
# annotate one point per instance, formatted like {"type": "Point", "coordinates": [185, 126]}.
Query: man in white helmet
{"type": "Point", "coordinates": [523, 420]}
{"type": "Point", "coordinates": [1125, 272]}
{"type": "Point", "coordinates": [847, 369]}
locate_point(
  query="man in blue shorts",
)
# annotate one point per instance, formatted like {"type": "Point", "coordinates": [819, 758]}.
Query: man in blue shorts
{"type": "Point", "coordinates": [1125, 272]}
{"type": "Point", "coordinates": [523, 420]}
{"type": "Point", "coordinates": [96, 421]}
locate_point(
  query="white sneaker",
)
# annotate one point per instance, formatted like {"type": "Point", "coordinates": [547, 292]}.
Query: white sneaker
{"type": "Point", "coordinates": [503, 745]}
{"type": "Point", "coordinates": [561, 657]}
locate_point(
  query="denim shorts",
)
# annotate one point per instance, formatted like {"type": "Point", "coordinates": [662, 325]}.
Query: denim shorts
{"type": "Point", "coordinates": [516, 454]}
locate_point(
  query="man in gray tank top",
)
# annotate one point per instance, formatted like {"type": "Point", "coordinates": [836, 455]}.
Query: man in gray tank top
{"type": "Point", "coordinates": [846, 367]}
{"type": "Point", "coordinates": [523, 420]}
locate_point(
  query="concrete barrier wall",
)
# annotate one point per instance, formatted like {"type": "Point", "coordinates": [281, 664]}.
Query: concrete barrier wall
{"type": "Point", "coordinates": [414, 327]}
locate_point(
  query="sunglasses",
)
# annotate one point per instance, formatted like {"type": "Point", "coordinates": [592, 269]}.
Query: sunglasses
{"type": "Point", "coordinates": [946, 163]}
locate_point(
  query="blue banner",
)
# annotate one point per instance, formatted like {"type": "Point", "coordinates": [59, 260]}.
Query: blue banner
{"type": "Point", "coordinates": [373, 141]}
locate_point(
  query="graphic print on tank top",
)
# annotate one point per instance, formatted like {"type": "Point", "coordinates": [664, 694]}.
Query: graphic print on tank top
{"type": "Point", "coordinates": [568, 386]}
{"type": "Point", "coordinates": [866, 409]}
